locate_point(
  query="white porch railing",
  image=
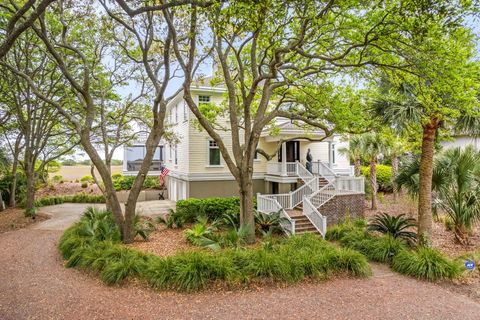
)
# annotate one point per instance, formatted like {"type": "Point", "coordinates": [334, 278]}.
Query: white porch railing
{"type": "Point", "coordinates": [282, 169]}
{"type": "Point", "coordinates": [350, 184]}
{"type": "Point", "coordinates": [267, 204]}
{"type": "Point", "coordinates": [315, 217]}
{"type": "Point", "coordinates": [305, 190]}
{"type": "Point", "coordinates": [303, 173]}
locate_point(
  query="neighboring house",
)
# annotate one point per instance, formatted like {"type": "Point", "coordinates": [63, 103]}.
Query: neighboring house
{"type": "Point", "coordinates": [197, 169]}
{"type": "Point", "coordinates": [462, 140]}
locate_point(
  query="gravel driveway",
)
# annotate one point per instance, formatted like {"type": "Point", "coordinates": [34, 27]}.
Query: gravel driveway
{"type": "Point", "coordinates": [35, 285]}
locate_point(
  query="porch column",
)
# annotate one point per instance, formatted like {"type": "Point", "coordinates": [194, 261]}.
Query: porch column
{"type": "Point", "coordinates": [284, 159]}
{"type": "Point", "coordinates": [330, 156]}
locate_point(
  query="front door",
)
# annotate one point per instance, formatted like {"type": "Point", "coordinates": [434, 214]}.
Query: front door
{"type": "Point", "coordinates": [293, 151]}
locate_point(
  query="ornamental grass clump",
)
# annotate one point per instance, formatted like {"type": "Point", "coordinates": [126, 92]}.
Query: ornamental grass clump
{"type": "Point", "coordinates": [426, 263]}
{"type": "Point", "coordinates": [91, 245]}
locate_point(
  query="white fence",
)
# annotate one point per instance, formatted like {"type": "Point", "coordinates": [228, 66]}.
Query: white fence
{"type": "Point", "coordinates": [279, 168]}
{"type": "Point", "coordinates": [350, 184]}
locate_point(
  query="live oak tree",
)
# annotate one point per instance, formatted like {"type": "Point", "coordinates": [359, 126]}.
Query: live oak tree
{"type": "Point", "coordinates": [16, 17]}
{"type": "Point", "coordinates": [42, 134]}
{"type": "Point", "coordinates": [266, 52]}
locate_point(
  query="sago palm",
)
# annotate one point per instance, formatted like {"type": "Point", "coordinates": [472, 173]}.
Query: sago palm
{"type": "Point", "coordinates": [396, 226]}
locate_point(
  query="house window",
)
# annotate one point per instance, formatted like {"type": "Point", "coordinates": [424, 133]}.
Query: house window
{"type": "Point", "coordinates": [185, 112]}
{"type": "Point", "coordinates": [333, 152]}
{"type": "Point", "coordinates": [136, 154]}
{"type": "Point", "coordinates": [203, 99]}
{"type": "Point", "coordinates": [176, 155]}
{"type": "Point", "coordinates": [213, 153]}
{"type": "Point", "coordinates": [170, 152]}
{"type": "Point", "coordinates": [176, 113]}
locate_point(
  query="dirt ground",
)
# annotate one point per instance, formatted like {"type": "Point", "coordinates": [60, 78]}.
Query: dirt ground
{"type": "Point", "coordinates": [14, 218]}
{"type": "Point", "coordinates": [72, 173]}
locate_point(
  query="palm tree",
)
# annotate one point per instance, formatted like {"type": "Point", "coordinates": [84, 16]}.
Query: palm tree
{"type": "Point", "coordinates": [401, 110]}
{"type": "Point", "coordinates": [354, 153]}
{"type": "Point", "coordinates": [394, 148]}
{"type": "Point", "coordinates": [372, 145]}
{"type": "Point", "coordinates": [455, 186]}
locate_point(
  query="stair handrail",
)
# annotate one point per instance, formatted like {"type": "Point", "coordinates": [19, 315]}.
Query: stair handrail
{"type": "Point", "coordinates": [295, 200]}
{"type": "Point", "coordinates": [321, 173]}
{"type": "Point", "coordinates": [303, 173]}
{"type": "Point", "coordinates": [315, 217]}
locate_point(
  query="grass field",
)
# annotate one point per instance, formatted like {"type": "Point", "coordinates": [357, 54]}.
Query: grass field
{"type": "Point", "coordinates": [70, 173]}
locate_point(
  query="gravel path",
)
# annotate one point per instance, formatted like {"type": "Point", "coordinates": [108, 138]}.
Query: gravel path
{"type": "Point", "coordinates": [35, 285]}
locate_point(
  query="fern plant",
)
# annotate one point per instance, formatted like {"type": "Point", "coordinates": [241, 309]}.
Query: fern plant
{"type": "Point", "coordinates": [395, 226]}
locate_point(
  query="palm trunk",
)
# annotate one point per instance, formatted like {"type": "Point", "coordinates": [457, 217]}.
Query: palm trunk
{"type": "Point", "coordinates": [373, 181]}
{"type": "Point", "coordinates": [394, 176]}
{"type": "Point", "coordinates": [246, 205]}
{"type": "Point", "coordinates": [356, 167]}
{"type": "Point", "coordinates": [425, 183]}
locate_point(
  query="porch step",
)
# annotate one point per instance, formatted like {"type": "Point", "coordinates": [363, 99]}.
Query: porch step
{"type": "Point", "coordinates": [303, 224]}
{"type": "Point", "coordinates": [322, 182]}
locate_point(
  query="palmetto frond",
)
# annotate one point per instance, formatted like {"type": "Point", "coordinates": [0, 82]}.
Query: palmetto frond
{"type": "Point", "coordinates": [396, 226]}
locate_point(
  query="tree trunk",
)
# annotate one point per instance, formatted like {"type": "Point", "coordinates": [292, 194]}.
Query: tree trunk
{"type": "Point", "coordinates": [130, 207]}
{"type": "Point", "coordinates": [13, 187]}
{"type": "Point", "coordinates": [111, 198]}
{"type": "Point", "coordinates": [247, 219]}
{"type": "Point", "coordinates": [425, 183]}
{"type": "Point", "coordinates": [2, 204]}
{"type": "Point", "coordinates": [356, 167]}
{"type": "Point", "coordinates": [394, 176]}
{"type": "Point", "coordinates": [30, 196]}
{"type": "Point", "coordinates": [12, 202]}
{"type": "Point", "coordinates": [373, 181]}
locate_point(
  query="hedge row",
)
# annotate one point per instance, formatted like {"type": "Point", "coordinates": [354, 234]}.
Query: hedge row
{"type": "Point", "coordinates": [210, 207]}
{"type": "Point", "coordinates": [77, 198]}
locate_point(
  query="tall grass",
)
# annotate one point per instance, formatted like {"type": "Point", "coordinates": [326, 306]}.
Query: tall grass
{"type": "Point", "coordinates": [426, 263]}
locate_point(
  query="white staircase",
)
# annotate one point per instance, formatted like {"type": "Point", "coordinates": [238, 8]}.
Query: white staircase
{"type": "Point", "coordinates": [318, 188]}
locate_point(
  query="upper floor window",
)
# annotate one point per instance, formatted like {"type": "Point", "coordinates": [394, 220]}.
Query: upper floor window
{"type": "Point", "coordinates": [203, 99]}
{"type": "Point", "coordinates": [176, 154]}
{"type": "Point", "coordinates": [176, 113]}
{"type": "Point", "coordinates": [185, 112]}
{"type": "Point", "coordinates": [213, 153]}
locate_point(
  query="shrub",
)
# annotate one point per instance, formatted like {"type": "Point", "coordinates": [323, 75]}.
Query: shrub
{"type": "Point", "coordinates": [336, 232]}
{"type": "Point", "coordinates": [425, 263]}
{"type": "Point", "coordinates": [213, 208]}
{"type": "Point", "coordinates": [125, 182]}
{"type": "Point", "coordinates": [21, 189]}
{"type": "Point", "coordinates": [384, 177]}
{"type": "Point", "coordinates": [77, 198]}
{"type": "Point", "coordinates": [57, 178]}
{"type": "Point", "coordinates": [395, 226]}
{"type": "Point", "coordinates": [87, 179]}
{"type": "Point", "coordinates": [172, 219]}
{"type": "Point", "coordinates": [143, 227]}
{"type": "Point", "coordinates": [84, 185]}
{"type": "Point", "coordinates": [269, 222]}
{"type": "Point", "coordinates": [199, 232]}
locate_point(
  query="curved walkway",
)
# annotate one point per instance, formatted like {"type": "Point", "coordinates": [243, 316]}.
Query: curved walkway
{"type": "Point", "coordinates": [35, 285]}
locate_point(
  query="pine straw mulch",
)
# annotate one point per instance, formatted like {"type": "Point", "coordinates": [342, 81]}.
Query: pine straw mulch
{"type": "Point", "coordinates": [66, 188]}
{"type": "Point", "coordinates": [14, 218]}
{"type": "Point", "coordinates": [163, 242]}
{"type": "Point", "coordinates": [443, 240]}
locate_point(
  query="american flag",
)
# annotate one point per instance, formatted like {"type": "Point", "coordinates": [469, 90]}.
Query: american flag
{"type": "Point", "coordinates": [163, 174]}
